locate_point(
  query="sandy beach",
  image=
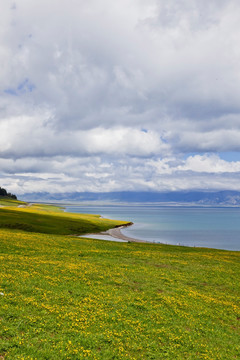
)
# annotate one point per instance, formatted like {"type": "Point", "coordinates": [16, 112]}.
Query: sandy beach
{"type": "Point", "coordinates": [112, 234]}
{"type": "Point", "coordinates": [116, 233]}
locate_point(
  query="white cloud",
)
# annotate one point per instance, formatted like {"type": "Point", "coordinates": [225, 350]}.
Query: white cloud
{"type": "Point", "coordinates": [35, 136]}
{"type": "Point", "coordinates": [129, 86]}
{"type": "Point", "coordinates": [210, 164]}
{"type": "Point", "coordinates": [67, 174]}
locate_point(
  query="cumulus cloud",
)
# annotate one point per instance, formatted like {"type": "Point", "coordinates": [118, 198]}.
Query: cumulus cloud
{"type": "Point", "coordinates": [99, 174]}
{"type": "Point", "coordinates": [34, 136]}
{"type": "Point", "coordinates": [122, 91]}
{"type": "Point", "coordinates": [209, 164]}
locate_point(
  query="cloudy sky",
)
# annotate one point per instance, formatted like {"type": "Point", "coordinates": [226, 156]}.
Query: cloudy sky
{"type": "Point", "coordinates": [105, 95]}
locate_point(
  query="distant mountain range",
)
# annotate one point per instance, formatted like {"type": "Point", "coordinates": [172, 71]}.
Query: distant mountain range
{"type": "Point", "coordinates": [220, 198]}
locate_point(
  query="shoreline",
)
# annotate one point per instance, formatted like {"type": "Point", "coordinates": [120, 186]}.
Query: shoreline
{"type": "Point", "coordinates": [116, 233]}
{"type": "Point", "coordinates": [175, 238]}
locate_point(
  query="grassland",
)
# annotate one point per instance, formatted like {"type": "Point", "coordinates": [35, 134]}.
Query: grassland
{"type": "Point", "coordinates": [71, 298]}
{"type": "Point", "coordinates": [50, 219]}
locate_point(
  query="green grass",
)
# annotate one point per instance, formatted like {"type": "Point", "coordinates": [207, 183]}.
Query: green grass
{"type": "Point", "coordinates": [10, 202]}
{"type": "Point", "coordinates": [72, 298]}
{"type": "Point", "coordinates": [52, 220]}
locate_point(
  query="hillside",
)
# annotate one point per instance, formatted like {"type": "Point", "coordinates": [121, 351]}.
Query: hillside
{"type": "Point", "coordinates": [4, 193]}
{"type": "Point", "coordinates": [64, 297]}
{"type": "Point", "coordinates": [50, 219]}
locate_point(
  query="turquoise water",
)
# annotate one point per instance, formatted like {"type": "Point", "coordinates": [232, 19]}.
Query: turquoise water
{"type": "Point", "coordinates": [189, 226]}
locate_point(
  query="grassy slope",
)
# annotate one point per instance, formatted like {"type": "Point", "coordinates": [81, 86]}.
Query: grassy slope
{"type": "Point", "coordinates": [4, 201]}
{"type": "Point", "coordinates": [71, 298]}
{"type": "Point", "coordinates": [51, 220]}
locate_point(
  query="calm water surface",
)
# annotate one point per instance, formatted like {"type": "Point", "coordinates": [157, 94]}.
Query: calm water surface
{"type": "Point", "coordinates": [193, 226]}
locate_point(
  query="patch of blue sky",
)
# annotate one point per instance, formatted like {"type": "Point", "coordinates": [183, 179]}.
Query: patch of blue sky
{"type": "Point", "coordinates": [11, 92]}
{"type": "Point", "coordinates": [24, 87]}
{"type": "Point", "coordinates": [230, 155]}
{"type": "Point", "coordinates": [187, 155]}
{"type": "Point", "coordinates": [163, 140]}
{"type": "Point", "coordinates": [227, 155]}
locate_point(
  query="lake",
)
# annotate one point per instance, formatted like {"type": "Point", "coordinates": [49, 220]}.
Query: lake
{"type": "Point", "coordinates": [189, 226]}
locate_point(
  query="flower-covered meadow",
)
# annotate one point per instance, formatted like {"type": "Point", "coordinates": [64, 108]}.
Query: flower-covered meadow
{"type": "Point", "coordinates": [63, 297]}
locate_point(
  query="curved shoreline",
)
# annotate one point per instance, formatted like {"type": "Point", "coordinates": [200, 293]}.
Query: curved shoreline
{"type": "Point", "coordinates": [116, 233]}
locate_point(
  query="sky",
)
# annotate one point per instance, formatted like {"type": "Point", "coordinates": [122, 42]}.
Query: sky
{"type": "Point", "coordinates": [134, 95]}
